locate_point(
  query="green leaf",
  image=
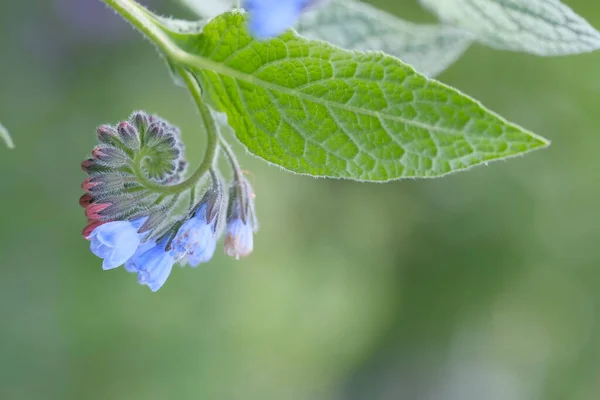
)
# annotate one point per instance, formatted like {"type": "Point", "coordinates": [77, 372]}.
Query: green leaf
{"type": "Point", "coordinates": [317, 109]}
{"type": "Point", "coordinates": [6, 137]}
{"type": "Point", "coordinates": [430, 49]}
{"type": "Point", "coordinates": [354, 25]}
{"type": "Point", "coordinates": [543, 27]}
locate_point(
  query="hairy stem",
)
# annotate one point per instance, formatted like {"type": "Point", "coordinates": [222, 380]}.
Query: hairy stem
{"type": "Point", "coordinates": [144, 21]}
{"type": "Point", "coordinates": [235, 165]}
{"type": "Point", "coordinates": [210, 127]}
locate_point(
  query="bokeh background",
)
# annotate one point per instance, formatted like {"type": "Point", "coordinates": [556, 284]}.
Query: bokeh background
{"type": "Point", "coordinates": [481, 285]}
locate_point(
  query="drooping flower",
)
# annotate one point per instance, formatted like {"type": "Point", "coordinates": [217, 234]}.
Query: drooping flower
{"type": "Point", "coordinates": [239, 239]}
{"type": "Point", "coordinates": [269, 18]}
{"type": "Point", "coordinates": [142, 248]}
{"type": "Point", "coordinates": [241, 219]}
{"type": "Point", "coordinates": [115, 242]}
{"type": "Point", "coordinates": [197, 238]}
{"type": "Point", "coordinates": [153, 266]}
{"type": "Point", "coordinates": [199, 257]}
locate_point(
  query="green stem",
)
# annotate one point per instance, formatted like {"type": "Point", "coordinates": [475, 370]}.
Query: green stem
{"type": "Point", "coordinates": [144, 21]}
{"type": "Point", "coordinates": [210, 127]}
{"type": "Point", "coordinates": [235, 165]}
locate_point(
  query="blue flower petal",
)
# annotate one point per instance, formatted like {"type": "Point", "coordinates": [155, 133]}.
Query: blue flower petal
{"type": "Point", "coordinates": [153, 266]}
{"type": "Point", "coordinates": [142, 248]}
{"type": "Point", "coordinates": [115, 242]}
{"type": "Point", "coordinates": [205, 254]}
{"type": "Point", "coordinates": [239, 239]}
{"type": "Point", "coordinates": [269, 18]}
{"type": "Point", "coordinates": [161, 274]}
{"type": "Point", "coordinates": [195, 239]}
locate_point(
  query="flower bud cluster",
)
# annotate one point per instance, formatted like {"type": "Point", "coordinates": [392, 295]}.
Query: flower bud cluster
{"type": "Point", "coordinates": [131, 223]}
{"type": "Point", "coordinates": [142, 149]}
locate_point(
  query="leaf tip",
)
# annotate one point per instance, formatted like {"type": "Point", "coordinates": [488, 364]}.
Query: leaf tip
{"type": "Point", "coordinates": [539, 142]}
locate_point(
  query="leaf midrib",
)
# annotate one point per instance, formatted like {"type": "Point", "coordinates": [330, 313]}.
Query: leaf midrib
{"type": "Point", "coordinates": [203, 63]}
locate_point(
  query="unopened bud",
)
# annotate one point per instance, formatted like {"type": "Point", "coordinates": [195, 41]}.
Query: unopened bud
{"type": "Point", "coordinates": [141, 120]}
{"type": "Point", "coordinates": [110, 156]}
{"type": "Point", "coordinates": [92, 167]}
{"type": "Point", "coordinates": [103, 184]}
{"type": "Point", "coordinates": [155, 132]}
{"type": "Point", "coordinates": [129, 135]}
{"type": "Point", "coordinates": [85, 200]}
{"type": "Point", "coordinates": [107, 134]}
{"type": "Point", "coordinates": [121, 207]}
{"type": "Point", "coordinates": [88, 184]}
{"type": "Point", "coordinates": [93, 211]}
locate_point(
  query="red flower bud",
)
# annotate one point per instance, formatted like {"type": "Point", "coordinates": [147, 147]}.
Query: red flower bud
{"type": "Point", "coordinates": [100, 153]}
{"type": "Point", "coordinates": [87, 184]}
{"type": "Point", "coordinates": [106, 133]}
{"type": "Point", "coordinates": [110, 157]}
{"type": "Point", "coordinates": [85, 200]}
{"type": "Point", "coordinates": [87, 165]}
{"type": "Point", "coordinates": [92, 224]}
{"type": "Point", "coordinates": [93, 210]}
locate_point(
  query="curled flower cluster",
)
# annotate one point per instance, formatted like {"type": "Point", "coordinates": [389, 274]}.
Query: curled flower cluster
{"type": "Point", "coordinates": [269, 18]}
{"type": "Point", "coordinates": [130, 196]}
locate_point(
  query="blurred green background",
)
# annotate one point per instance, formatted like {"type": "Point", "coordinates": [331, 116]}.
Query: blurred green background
{"type": "Point", "coordinates": [481, 285]}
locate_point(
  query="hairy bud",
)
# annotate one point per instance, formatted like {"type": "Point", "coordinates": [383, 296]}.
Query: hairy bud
{"type": "Point", "coordinates": [129, 135]}
{"type": "Point", "coordinates": [110, 157]}
{"type": "Point", "coordinates": [165, 154]}
{"type": "Point", "coordinates": [91, 166]}
{"type": "Point", "coordinates": [107, 135]}
{"type": "Point", "coordinates": [85, 200]}
{"type": "Point", "coordinates": [94, 210]}
{"type": "Point", "coordinates": [141, 120]}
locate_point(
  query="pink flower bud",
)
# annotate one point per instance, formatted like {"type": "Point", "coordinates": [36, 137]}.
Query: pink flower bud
{"type": "Point", "coordinates": [88, 184]}
{"type": "Point", "coordinates": [106, 134]}
{"type": "Point", "coordinates": [109, 156]}
{"type": "Point", "coordinates": [92, 224]}
{"type": "Point", "coordinates": [93, 210]}
{"type": "Point", "coordinates": [88, 165]}
{"type": "Point", "coordinates": [85, 200]}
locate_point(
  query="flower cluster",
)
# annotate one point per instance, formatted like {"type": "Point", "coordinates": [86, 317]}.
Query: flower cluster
{"type": "Point", "coordinates": [131, 193]}
{"type": "Point", "coordinates": [269, 18]}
